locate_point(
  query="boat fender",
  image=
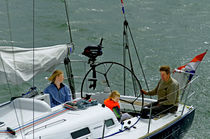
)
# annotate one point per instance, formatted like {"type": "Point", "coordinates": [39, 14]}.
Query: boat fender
{"type": "Point", "coordinates": [11, 131]}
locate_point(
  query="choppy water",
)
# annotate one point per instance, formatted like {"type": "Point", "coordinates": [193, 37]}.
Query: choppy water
{"type": "Point", "coordinates": [166, 32]}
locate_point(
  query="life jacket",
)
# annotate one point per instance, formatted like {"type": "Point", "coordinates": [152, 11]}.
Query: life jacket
{"type": "Point", "coordinates": [111, 104]}
{"type": "Point", "coordinates": [114, 106]}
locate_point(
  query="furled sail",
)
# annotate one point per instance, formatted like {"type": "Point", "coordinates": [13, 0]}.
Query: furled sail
{"type": "Point", "coordinates": [17, 62]}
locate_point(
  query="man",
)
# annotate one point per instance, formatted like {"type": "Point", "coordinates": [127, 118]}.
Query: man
{"type": "Point", "coordinates": [167, 91]}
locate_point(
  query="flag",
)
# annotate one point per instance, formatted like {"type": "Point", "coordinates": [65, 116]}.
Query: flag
{"type": "Point", "coordinates": [123, 9]}
{"type": "Point", "coordinates": [192, 65]}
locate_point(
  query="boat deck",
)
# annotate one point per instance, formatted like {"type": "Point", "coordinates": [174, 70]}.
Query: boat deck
{"type": "Point", "coordinates": [65, 123]}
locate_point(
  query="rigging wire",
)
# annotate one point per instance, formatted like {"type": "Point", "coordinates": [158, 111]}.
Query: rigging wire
{"type": "Point", "coordinates": [138, 58]}
{"type": "Point", "coordinates": [33, 22]}
{"type": "Point", "coordinates": [126, 25]}
{"type": "Point", "coordinates": [126, 46]}
{"type": "Point", "coordinates": [11, 40]}
{"type": "Point", "coordinates": [13, 104]}
{"type": "Point", "coordinates": [139, 61]}
{"type": "Point", "coordinates": [124, 61]}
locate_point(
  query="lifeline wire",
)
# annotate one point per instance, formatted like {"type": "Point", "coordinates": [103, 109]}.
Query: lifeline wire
{"type": "Point", "coordinates": [33, 12]}
{"type": "Point", "coordinates": [10, 32]}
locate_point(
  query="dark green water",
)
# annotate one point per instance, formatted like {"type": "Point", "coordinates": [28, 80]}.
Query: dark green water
{"type": "Point", "coordinates": [166, 32]}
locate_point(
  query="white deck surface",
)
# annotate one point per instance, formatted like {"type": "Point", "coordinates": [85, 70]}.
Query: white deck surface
{"type": "Point", "coordinates": [58, 122]}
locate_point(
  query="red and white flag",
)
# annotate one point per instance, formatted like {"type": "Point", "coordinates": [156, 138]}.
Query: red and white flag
{"type": "Point", "coordinates": [192, 65]}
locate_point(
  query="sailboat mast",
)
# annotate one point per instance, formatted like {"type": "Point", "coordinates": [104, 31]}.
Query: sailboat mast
{"type": "Point", "coordinates": [68, 24]}
{"type": "Point", "coordinates": [67, 61]}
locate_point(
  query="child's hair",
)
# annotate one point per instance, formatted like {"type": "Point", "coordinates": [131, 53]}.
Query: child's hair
{"type": "Point", "coordinates": [114, 94]}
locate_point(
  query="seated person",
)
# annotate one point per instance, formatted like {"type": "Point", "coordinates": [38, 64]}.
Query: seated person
{"type": "Point", "coordinates": [112, 102]}
{"type": "Point", "coordinates": [59, 93]}
{"type": "Point", "coordinates": [167, 91]}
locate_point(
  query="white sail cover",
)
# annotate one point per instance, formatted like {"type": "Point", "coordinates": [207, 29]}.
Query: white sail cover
{"type": "Point", "coordinates": [17, 63]}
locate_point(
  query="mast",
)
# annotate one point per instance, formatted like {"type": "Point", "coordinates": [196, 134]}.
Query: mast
{"type": "Point", "coordinates": [67, 61]}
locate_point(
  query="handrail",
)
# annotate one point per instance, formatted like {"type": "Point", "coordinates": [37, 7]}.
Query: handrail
{"type": "Point", "coordinates": [46, 126]}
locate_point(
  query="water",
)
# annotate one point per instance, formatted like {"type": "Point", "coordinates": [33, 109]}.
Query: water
{"type": "Point", "coordinates": [166, 32]}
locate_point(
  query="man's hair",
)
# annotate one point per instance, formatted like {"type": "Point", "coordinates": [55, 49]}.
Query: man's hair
{"type": "Point", "coordinates": [165, 68]}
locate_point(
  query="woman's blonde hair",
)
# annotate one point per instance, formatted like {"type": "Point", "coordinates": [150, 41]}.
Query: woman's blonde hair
{"type": "Point", "coordinates": [54, 75]}
{"type": "Point", "coordinates": [114, 94]}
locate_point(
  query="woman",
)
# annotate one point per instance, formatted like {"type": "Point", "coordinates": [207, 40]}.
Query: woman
{"type": "Point", "coordinates": [59, 92]}
{"type": "Point", "coordinates": [112, 102]}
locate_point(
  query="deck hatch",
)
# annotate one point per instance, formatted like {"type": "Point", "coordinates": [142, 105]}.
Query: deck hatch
{"type": "Point", "coordinates": [109, 122]}
{"type": "Point", "coordinates": [80, 133]}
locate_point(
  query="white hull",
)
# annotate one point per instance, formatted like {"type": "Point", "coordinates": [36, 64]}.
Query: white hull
{"type": "Point", "coordinates": [58, 122]}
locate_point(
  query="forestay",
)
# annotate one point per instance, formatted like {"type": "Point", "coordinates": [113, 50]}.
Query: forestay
{"type": "Point", "coordinates": [21, 69]}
